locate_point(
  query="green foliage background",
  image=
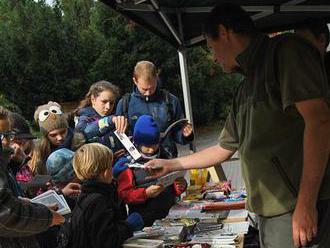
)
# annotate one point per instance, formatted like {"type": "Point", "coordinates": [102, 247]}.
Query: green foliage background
{"type": "Point", "coordinates": [56, 52]}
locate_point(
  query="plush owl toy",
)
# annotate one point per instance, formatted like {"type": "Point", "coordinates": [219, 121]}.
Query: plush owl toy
{"type": "Point", "coordinates": [50, 117]}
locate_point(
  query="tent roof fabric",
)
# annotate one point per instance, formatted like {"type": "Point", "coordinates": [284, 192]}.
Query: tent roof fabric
{"type": "Point", "coordinates": [180, 22]}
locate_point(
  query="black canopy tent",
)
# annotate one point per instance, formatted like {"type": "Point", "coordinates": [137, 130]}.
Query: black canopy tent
{"type": "Point", "coordinates": [180, 22]}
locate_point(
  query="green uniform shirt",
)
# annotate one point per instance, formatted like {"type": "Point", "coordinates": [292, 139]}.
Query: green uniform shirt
{"type": "Point", "coordinates": [264, 125]}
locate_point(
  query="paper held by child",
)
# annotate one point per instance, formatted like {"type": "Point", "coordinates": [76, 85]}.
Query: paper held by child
{"type": "Point", "coordinates": [166, 180]}
{"type": "Point", "coordinates": [169, 179]}
{"type": "Point", "coordinates": [128, 145]}
{"type": "Point", "coordinates": [50, 197]}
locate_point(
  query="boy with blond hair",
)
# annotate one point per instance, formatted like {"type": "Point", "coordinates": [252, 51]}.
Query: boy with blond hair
{"type": "Point", "coordinates": [98, 219]}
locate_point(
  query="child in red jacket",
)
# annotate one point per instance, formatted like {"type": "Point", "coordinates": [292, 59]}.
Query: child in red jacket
{"type": "Point", "coordinates": [151, 202]}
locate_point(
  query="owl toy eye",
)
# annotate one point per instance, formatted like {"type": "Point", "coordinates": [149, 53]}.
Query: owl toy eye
{"type": "Point", "coordinates": [55, 110]}
{"type": "Point", "coordinates": [43, 115]}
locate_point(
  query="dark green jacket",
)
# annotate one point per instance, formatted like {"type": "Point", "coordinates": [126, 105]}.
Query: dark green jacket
{"type": "Point", "coordinates": [264, 125]}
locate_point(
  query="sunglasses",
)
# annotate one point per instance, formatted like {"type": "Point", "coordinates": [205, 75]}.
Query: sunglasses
{"type": "Point", "coordinates": [7, 135]}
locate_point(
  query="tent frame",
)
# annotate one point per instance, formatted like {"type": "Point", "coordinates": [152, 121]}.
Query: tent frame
{"type": "Point", "coordinates": [153, 6]}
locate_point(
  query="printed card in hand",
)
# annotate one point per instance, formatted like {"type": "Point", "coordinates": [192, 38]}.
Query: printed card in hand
{"type": "Point", "coordinates": [50, 197]}
{"type": "Point", "coordinates": [128, 145]}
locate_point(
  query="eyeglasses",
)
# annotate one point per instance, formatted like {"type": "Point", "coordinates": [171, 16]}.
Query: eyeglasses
{"type": "Point", "coordinates": [7, 135]}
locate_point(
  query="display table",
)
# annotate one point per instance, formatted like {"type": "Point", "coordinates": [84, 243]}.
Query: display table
{"type": "Point", "coordinates": [213, 223]}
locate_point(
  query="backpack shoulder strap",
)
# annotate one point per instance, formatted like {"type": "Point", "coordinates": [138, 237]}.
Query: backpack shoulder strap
{"type": "Point", "coordinates": [125, 101]}
{"type": "Point", "coordinates": [166, 96]}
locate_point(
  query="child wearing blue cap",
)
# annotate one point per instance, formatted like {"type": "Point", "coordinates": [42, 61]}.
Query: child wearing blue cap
{"type": "Point", "coordinates": [59, 166]}
{"type": "Point", "coordinates": [151, 202]}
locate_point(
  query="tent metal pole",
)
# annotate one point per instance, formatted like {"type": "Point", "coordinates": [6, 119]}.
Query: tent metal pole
{"type": "Point", "coordinates": [186, 89]}
{"type": "Point", "coordinates": [185, 81]}
{"type": "Point", "coordinates": [166, 21]}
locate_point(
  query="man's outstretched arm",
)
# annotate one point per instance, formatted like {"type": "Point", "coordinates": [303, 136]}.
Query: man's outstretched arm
{"type": "Point", "coordinates": [202, 159]}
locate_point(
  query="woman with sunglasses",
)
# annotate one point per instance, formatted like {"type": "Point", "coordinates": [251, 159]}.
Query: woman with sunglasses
{"type": "Point", "coordinates": [21, 143]}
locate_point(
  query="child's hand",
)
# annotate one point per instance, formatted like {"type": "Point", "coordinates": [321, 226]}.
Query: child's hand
{"type": "Point", "coordinates": [187, 130]}
{"type": "Point", "coordinates": [135, 221]}
{"type": "Point", "coordinates": [71, 189]}
{"type": "Point", "coordinates": [154, 190]}
{"type": "Point", "coordinates": [120, 123]}
{"type": "Point", "coordinates": [180, 186]}
{"type": "Point", "coordinates": [57, 219]}
{"type": "Point", "coordinates": [120, 166]}
{"type": "Point", "coordinates": [50, 185]}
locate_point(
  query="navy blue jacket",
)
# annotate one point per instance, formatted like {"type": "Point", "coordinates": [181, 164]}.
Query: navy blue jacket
{"type": "Point", "coordinates": [88, 124]}
{"type": "Point", "coordinates": [157, 107]}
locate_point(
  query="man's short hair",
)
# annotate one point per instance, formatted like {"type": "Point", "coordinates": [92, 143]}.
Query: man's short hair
{"type": "Point", "coordinates": [145, 69]}
{"type": "Point", "coordinates": [91, 160]}
{"type": "Point", "coordinates": [231, 16]}
{"type": "Point", "coordinates": [316, 27]}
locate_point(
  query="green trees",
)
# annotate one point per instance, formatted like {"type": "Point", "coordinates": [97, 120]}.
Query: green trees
{"type": "Point", "coordinates": [56, 52]}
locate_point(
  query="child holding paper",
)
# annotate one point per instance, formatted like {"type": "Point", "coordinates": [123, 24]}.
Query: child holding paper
{"type": "Point", "coordinates": [95, 118]}
{"type": "Point", "coordinates": [98, 219]}
{"type": "Point", "coordinates": [152, 202]}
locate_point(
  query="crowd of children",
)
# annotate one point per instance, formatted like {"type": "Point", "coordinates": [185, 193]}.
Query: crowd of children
{"type": "Point", "coordinates": [88, 165]}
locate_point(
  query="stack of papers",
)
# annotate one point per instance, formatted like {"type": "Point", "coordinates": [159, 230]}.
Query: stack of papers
{"type": "Point", "coordinates": [237, 227]}
{"type": "Point", "coordinates": [216, 238]}
{"type": "Point", "coordinates": [50, 197]}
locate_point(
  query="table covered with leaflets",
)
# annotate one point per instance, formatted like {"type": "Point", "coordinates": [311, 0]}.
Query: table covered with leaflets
{"type": "Point", "coordinates": [208, 216]}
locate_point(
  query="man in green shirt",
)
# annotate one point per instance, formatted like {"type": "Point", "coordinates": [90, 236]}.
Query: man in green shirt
{"type": "Point", "coordinates": [280, 125]}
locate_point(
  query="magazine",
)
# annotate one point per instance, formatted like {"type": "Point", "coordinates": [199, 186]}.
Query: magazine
{"type": "Point", "coordinates": [169, 179]}
{"type": "Point", "coordinates": [166, 180]}
{"type": "Point", "coordinates": [51, 197]}
{"type": "Point", "coordinates": [171, 127]}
